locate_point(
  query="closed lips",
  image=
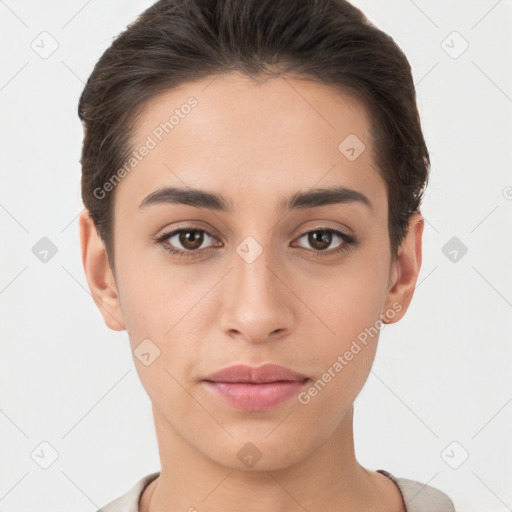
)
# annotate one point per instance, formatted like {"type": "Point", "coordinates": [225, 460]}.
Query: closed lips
{"type": "Point", "coordinates": [256, 375]}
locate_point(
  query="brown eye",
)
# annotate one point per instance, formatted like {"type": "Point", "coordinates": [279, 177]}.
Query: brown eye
{"type": "Point", "coordinates": [186, 241]}
{"type": "Point", "coordinates": [191, 239]}
{"type": "Point", "coordinates": [320, 240]}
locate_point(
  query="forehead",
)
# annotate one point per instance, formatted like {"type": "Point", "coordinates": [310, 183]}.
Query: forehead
{"type": "Point", "coordinates": [233, 133]}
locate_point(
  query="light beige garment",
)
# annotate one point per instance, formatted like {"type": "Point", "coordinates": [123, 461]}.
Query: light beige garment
{"type": "Point", "coordinates": [417, 497]}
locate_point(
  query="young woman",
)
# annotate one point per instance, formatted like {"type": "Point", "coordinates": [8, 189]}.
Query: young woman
{"type": "Point", "coordinates": [252, 176]}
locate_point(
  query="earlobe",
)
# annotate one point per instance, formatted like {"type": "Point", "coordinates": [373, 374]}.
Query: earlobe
{"type": "Point", "coordinates": [405, 272]}
{"type": "Point", "coordinates": [99, 274]}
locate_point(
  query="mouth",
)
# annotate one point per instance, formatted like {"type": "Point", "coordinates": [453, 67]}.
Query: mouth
{"type": "Point", "coordinates": [255, 388]}
{"type": "Point", "coordinates": [266, 373]}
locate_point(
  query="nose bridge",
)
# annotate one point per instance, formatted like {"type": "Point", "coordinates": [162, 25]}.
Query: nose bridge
{"type": "Point", "coordinates": [258, 304]}
{"type": "Point", "coordinates": [252, 268]}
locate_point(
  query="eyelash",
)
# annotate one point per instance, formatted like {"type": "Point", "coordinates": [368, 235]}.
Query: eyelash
{"type": "Point", "coordinates": [348, 242]}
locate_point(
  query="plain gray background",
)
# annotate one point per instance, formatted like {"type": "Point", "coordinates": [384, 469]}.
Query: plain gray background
{"type": "Point", "coordinates": [437, 404]}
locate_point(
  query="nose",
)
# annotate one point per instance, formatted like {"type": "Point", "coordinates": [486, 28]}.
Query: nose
{"type": "Point", "coordinates": [258, 304]}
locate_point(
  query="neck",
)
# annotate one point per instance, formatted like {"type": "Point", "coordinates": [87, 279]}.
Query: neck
{"type": "Point", "coordinates": [328, 478]}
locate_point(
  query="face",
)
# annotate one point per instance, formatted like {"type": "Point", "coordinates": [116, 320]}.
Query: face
{"type": "Point", "coordinates": [270, 270]}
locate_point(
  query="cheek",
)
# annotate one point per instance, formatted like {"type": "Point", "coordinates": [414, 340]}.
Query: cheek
{"type": "Point", "coordinates": [348, 306]}
{"type": "Point", "coordinates": [345, 356]}
{"type": "Point", "coordinates": [155, 300]}
{"type": "Point", "coordinates": [162, 308]}
{"type": "Point", "coordinates": [350, 299]}
{"type": "Point", "coordinates": [162, 338]}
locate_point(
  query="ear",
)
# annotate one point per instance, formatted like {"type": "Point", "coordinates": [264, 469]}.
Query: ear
{"type": "Point", "coordinates": [99, 274]}
{"type": "Point", "coordinates": [404, 272]}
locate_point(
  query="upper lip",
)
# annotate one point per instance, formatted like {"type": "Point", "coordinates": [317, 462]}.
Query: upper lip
{"type": "Point", "coordinates": [255, 374]}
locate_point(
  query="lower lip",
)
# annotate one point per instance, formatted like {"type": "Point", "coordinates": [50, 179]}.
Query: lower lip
{"type": "Point", "coordinates": [256, 397]}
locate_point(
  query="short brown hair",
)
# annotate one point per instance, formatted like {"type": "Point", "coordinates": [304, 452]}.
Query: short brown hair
{"type": "Point", "coordinates": [178, 41]}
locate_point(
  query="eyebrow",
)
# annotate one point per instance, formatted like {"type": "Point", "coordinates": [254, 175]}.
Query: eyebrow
{"type": "Point", "coordinates": [213, 201]}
